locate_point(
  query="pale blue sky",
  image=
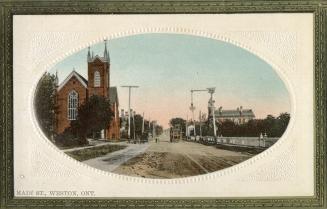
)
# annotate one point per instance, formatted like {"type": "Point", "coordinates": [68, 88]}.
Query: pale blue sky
{"type": "Point", "coordinates": [168, 66]}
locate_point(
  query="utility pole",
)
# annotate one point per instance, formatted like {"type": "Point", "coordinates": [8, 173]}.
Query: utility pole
{"type": "Point", "coordinates": [134, 125]}
{"type": "Point", "coordinates": [143, 123]}
{"type": "Point", "coordinates": [212, 107]}
{"type": "Point", "coordinates": [129, 108]}
{"type": "Point", "coordinates": [200, 120]}
{"type": "Point", "coordinates": [153, 127]}
{"type": "Point", "coordinates": [186, 129]}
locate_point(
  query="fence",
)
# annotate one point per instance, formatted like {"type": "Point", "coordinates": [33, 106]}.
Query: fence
{"type": "Point", "coordinates": [247, 141]}
{"type": "Point", "coordinates": [264, 142]}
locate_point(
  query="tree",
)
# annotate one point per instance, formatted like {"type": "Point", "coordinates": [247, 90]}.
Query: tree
{"type": "Point", "coordinates": [272, 126]}
{"type": "Point", "coordinates": [94, 115]}
{"type": "Point", "coordinates": [206, 129]}
{"type": "Point", "coordinates": [45, 101]}
{"type": "Point", "coordinates": [158, 130]}
{"type": "Point", "coordinates": [178, 121]}
{"type": "Point", "coordinates": [284, 119]}
{"type": "Point", "coordinates": [147, 125]}
{"type": "Point", "coordinates": [138, 121]}
{"type": "Point", "coordinates": [282, 123]}
{"type": "Point", "coordinates": [228, 128]}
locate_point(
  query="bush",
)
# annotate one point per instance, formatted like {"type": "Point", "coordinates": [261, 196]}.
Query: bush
{"type": "Point", "coordinates": [69, 139]}
{"type": "Point", "coordinates": [94, 115]}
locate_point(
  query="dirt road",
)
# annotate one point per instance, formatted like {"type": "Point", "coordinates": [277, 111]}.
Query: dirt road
{"type": "Point", "coordinates": [181, 159]}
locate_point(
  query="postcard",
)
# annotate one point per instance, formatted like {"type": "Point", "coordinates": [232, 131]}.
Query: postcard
{"type": "Point", "coordinates": [157, 106]}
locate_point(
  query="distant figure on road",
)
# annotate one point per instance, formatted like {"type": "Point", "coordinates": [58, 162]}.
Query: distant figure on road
{"type": "Point", "coordinates": [157, 140]}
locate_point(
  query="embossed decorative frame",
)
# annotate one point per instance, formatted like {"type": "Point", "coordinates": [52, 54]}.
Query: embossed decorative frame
{"type": "Point", "coordinates": [9, 8]}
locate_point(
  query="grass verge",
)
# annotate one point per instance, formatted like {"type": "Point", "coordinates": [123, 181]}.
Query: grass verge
{"type": "Point", "coordinates": [61, 147]}
{"type": "Point", "coordinates": [93, 152]}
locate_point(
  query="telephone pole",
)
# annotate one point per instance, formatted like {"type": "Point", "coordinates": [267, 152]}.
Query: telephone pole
{"type": "Point", "coordinates": [143, 123]}
{"type": "Point", "coordinates": [211, 105]}
{"type": "Point", "coordinates": [186, 127]}
{"type": "Point", "coordinates": [134, 125]}
{"type": "Point", "coordinates": [154, 124]}
{"type": "Point", "coordinates": [129, 108]}
{"type": "Point", "coordinates": [200, 120]}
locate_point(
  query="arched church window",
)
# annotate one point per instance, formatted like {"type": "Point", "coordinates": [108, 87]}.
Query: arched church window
{"type": "Point", "coordinates": [72, 105]}
{"type": "Point", "coordinates": [97, 81]}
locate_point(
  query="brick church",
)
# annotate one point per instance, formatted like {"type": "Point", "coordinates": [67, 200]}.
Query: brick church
{"type": "Point", "coordinates": [76, 89]}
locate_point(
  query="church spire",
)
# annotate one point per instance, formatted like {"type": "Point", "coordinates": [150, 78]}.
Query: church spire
{"type": "Point", "coordinates": [88, 55]}
{"type": "Point", "coordinates": [56, 79]}
{"type": "Point", "coordinates": [106, 52]}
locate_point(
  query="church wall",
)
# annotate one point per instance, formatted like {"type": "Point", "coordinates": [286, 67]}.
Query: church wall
{"type": "Point", "coordinates": [102, 65]}
{"type": "Point", "coordinates": [62, 102]}
{"type": "Point", "coordinates": [113, 131]}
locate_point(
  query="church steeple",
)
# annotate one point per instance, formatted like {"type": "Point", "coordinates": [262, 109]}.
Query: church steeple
{"type": "Point", "coordinates": [98, 71]}
{"type": "Point", "coordinates": [106, 52]}
{"type": "Point", "coordinates": [88, 55]}
{"type": "Point", "coordinates": [56, 79]}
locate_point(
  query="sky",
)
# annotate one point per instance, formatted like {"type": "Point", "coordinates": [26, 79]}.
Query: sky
{"type": "Point", "coordinates": [167, 66]}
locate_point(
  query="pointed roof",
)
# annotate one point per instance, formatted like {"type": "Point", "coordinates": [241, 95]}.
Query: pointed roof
{"type": "Point", "coordinates": [80, 78]}
{"type": "Point", "coordinates": [56, 78]}
{"type": "Point", "coordinates": [88, 54]}
{"type": "Point", "coordinates": [105, 58]}
{"type": "Point", "coordinates": [106, 52]}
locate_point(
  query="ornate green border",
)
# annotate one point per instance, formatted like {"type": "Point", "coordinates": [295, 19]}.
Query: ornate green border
{"type": "Point", "coordinates": [9, 8]}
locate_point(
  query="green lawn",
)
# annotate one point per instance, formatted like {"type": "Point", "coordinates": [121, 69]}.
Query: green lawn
{"type": "Point", "coordinates": [94, 152]}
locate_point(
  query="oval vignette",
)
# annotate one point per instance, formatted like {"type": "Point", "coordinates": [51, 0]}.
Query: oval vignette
{"type": "Point", "coordinates": [162, 105]}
